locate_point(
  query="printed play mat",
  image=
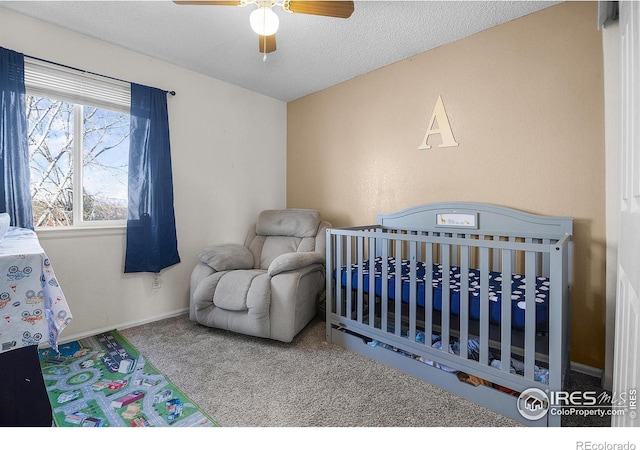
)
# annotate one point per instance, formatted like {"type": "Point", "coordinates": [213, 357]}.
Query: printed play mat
{"type": "Point", "coordinates": [102, 381]}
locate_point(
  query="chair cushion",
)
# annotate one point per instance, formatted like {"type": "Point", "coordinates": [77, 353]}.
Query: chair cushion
{"type": "Point", "coordinates": [275, 246]}
{"type": "Point", "coordinates": [236, 286]}
{"type": "Point", "coordinates": [288, 222]}
{"type": "Point", "coordinates": [227, 257]}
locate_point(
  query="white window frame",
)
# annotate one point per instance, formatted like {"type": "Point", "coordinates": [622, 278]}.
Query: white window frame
{"type": "Point", "coordinates": [44, 79]}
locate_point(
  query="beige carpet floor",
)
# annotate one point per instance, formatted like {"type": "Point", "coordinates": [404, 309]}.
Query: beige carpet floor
{"type": "Point", "coordinates": [241, 381]}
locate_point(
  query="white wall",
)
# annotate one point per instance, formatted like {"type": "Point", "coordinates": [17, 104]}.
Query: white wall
{"type": "Point", "coordinates": [229, 162]}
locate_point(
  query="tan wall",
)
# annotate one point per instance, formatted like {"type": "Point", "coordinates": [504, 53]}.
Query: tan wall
{"type": "Point", "coordinates": [525, 103]}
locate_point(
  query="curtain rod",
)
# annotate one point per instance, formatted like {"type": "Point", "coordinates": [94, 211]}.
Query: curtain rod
{"type": "Point", "coordinates": [87, 71]}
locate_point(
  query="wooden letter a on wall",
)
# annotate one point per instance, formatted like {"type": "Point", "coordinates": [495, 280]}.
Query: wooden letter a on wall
{"type": "Point", "coordinates": [444, 129]}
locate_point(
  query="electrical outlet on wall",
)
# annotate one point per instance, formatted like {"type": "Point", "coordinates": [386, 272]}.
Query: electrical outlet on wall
{"type": "Point", "coordinates": [157, 281]}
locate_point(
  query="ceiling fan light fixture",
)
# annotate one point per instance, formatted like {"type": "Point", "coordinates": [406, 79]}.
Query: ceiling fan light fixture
{"type": "Point", "coordinates": [264, 21]}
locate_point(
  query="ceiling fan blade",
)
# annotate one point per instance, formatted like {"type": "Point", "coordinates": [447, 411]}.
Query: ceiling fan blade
{"type": "Point", "coordinates": [267, 44]}
{"type": "Point", "coordinates": [208, 2]}
{"type": "Point", "coordinates": [327, 8]}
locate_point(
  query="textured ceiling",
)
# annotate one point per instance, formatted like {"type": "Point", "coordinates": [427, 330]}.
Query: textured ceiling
{"type": "Point", "coordinates": [313, 52]}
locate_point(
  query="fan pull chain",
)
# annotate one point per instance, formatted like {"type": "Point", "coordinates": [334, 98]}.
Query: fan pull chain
{"type": "Point", "coordinates": [264, 38]}
{"type": "Point", "coordinates": [264, 46]}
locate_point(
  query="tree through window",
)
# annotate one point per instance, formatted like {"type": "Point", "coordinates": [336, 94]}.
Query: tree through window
{"type": "Point", "coordinates": [78, 151]}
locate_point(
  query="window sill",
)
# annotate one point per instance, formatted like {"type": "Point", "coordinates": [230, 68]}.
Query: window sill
{"type": "Point", "coordinates": [80, 232]}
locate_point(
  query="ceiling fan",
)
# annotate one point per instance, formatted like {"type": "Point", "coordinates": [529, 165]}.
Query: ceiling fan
{"type": "Point", "coordinates": [264, 21]}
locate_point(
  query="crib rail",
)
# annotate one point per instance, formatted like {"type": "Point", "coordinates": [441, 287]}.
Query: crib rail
{"type": "Point", "coordinates": [373, 312]}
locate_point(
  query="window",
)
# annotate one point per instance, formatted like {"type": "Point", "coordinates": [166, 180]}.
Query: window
{"type": "Point", "coordinates": [78, 132]}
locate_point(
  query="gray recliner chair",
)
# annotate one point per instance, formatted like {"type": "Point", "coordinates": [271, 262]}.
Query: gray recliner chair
{"type": "Point", "coordinates": [269, 286]}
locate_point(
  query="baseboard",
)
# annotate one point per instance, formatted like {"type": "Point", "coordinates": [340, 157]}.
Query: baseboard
{"type": "Point", "coordinates": [587, 370]}
{"type": "Point", "coordinates": [124, 326]}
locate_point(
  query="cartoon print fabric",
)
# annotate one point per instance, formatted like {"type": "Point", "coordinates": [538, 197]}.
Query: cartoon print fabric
{"type": "Point", "coordinates": [33, 308]}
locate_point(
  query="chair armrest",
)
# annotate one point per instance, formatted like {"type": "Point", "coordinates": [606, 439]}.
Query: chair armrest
{"type": "Point", "coordinates": [293, 261]}
{"type": "Point", "coordinates": [227, 257]}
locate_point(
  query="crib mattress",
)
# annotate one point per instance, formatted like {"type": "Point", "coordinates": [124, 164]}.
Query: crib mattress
{"type": "Point", "coordinates": [516, 296]}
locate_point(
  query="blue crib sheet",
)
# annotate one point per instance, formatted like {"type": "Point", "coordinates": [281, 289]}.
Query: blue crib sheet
{"type": "Point", "coordinates": [517, 294]}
